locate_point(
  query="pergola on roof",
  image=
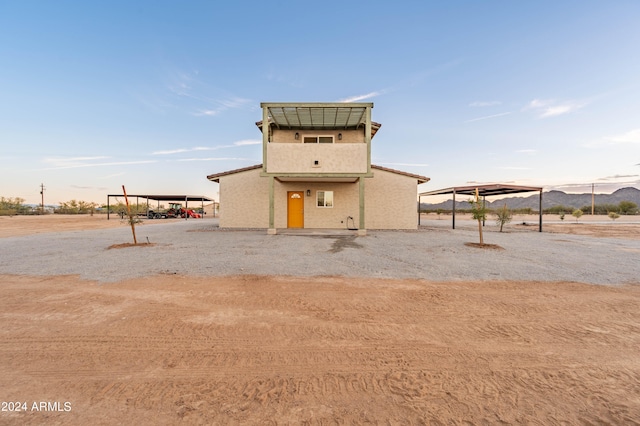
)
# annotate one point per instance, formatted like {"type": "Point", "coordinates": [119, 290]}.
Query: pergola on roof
{"type": "Point", "coordinates": [307, 116]}
{"type": "Point", "coordinates": [485, 190]}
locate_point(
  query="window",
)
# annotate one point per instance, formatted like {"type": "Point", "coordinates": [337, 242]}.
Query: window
{"type": "Point", "coordinates": [324, 198]}
{"type": "Point", "coordinates": [317, 139]}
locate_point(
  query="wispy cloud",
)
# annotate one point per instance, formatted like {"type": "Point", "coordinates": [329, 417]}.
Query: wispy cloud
{"type": "Point", "coordinates": [514, 168]}
{"type": "Point", "coordinates": [632, 136]}
{"type": "Point", "coordinates": [527, 151]}
{"type": "Point", "coordinates": [201, 99]}
{"type": "Point", "coordinates": [362, 97]}
{"type": "Point", "coordinates": [546, 108]}
{"type": "Point", "coordinates": [484, 103]}
{"type": "Point", "coordinates": [404, 164]}
{"type": "Point", "coordinates": [486, 117]}
{"type": "Point", "coordinates": [216, 159]}
{"type": "Point", "coordinates": [244, 142]}
{"type": "Point", "coordinates": [81, 162]}
{"type": "Point", "coordinates": [112, 175]}
{"type": "Point", "coordinates": [615, 177]}
{"type": "Point", "coordinates": [92, 188]}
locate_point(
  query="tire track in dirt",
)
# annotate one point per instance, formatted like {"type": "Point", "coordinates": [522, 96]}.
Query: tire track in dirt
{"type": "Point", "coordinates": [166, 350]}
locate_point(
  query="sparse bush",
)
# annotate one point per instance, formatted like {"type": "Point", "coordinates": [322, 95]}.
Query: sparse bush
{"type": "Point", "coordinates": [12, 206]}
{"type": "Point", "coordinates": [577, 213]}
{"type": "Point", "coordinates": [76, 207]}
{"type": "Point", "coordinates": [613, 215]}
{"type": "Point", "coordinates": [558, 210]}
{"type": "Point", "coordinates": [627, 207]}
{"type": "Point", "coordinates": [503, 216]}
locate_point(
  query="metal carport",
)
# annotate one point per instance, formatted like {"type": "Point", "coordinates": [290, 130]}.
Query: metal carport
{"type": "Point", "coordinates": [158, 198]}
{"type": "Point", "coordinates": [483, 191]}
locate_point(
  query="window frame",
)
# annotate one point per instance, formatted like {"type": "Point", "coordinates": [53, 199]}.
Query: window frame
{"type": "Point", "coordinates": [324, 199]}
{"type": "Point", "coordinates": [317, 138]}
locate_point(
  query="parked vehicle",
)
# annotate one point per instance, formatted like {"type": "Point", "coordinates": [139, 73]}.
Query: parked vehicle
{"type": "Point", "coordinates": [175, 210]}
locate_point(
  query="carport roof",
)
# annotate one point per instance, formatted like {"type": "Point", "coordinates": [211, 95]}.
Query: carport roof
{"type": "Point", "coordinates": [165, 197]}
{"type": "Point", "coordinates": [484, 190]}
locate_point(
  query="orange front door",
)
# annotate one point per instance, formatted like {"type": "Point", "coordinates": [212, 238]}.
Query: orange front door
{"type": "Point", "coordinates": [295, 209]}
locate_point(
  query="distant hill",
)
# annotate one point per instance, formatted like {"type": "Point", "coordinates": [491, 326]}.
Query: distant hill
{"type": "Point", "coordinates": [549, 199]}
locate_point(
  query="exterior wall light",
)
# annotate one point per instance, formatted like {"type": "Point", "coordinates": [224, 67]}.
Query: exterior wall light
{"type": "Point", "coordinates": [308, 193]}
{"type": "Point", "coordinates": [297, 136]}
{"type": "Point", "coordinates": [339, 136]}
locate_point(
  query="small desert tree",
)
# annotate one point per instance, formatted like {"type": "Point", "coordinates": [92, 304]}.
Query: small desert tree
{"type": "Point", "coordinates": [577, 213]}
{"type": "Point", "coordinates": [132, 219]}
{"type": "Point", "coordinates": [627, 207]}
{"type": "Point", "coordinates": [503, 216]}
{"type": "Point", "coordinates": [479, 212]}
{"type": "Point", "coordinates": [613, 215]}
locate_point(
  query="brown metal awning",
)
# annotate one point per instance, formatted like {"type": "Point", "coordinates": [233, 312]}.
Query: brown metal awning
{"type": "Point", "coordinates": [158, 198]}
{"type": "Point", "coordinates": [485, 190]}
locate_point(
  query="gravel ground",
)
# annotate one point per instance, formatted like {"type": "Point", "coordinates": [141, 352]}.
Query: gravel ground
{"type": "Point", "coordinates": [436, 254]}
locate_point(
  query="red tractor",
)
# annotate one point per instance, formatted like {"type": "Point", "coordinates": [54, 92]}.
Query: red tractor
{"type": "Point", "coordinates": [179, 211]}
{"type": "Point", "coordinates": [175, 211]}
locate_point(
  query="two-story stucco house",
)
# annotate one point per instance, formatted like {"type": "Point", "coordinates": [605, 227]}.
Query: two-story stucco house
{"type": "Point", "coordinates": [317, 173]}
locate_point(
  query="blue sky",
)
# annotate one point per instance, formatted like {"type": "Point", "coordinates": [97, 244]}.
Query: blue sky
{"type": "Point", "coordinates": [156, 95]}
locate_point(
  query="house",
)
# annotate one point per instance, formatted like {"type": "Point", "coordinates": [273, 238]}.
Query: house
{"type": "Point", "coordinates": [317, 173]}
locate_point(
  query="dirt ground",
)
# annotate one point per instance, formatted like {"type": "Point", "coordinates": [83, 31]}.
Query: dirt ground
{"type": "Point", "coordinates": [274, 350]}
{"type": "Point", "coordinates": [15, 226]}
{"type": "Point", "coordinates": [171, 349]}
{"type": "Point", "coordinates": [622, 228]}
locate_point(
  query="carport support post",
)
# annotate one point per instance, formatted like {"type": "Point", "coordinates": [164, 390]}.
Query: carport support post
{"type": "Point", "coordinates": [453, 220]}
{"type": "Point", "coordinates": [540, 211]}
{"type": "Point", "coordinates": [484, 198]}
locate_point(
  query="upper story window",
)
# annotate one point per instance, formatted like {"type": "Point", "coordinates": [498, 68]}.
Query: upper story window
{"type": "Point", "coordinates": [317, 139]}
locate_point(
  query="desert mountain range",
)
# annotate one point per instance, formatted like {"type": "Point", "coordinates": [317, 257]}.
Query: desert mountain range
{"type": "Point", "coordinates": [549, 199]}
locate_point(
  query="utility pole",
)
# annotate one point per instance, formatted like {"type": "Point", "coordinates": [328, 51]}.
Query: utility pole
{"type": "Point", "coordinates": [593, 197]}
{"type": "Point", "coordinates": [42, 196]}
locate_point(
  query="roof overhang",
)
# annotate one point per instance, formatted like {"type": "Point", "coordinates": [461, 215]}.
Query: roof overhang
{"type": "Point", "coordinates": [317, 179]}
{"type": "Point", "coordinates": [484, 190]}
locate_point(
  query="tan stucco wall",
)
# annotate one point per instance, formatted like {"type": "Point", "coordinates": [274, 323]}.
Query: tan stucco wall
{"type": "Point", "coordinates": [345, 204]}
{"type": "Point", "coordinates": [390, 202]}
{"type": "Point", "coordinates": [244, 200]}
{"type": "Point", "coordinates": [332, 158]}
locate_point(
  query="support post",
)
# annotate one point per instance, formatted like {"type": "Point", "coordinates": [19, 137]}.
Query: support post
{"type": "Point", "coordinates": [272, 227]}
{"type": "Point", "coordinates": [484, 199]}
{"type": "Point", "coordinates": [361, 228]}
{"type": "Point", "coordinates": [453, 220]}
{"type": "Point", "coordinates": [540, 208]}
